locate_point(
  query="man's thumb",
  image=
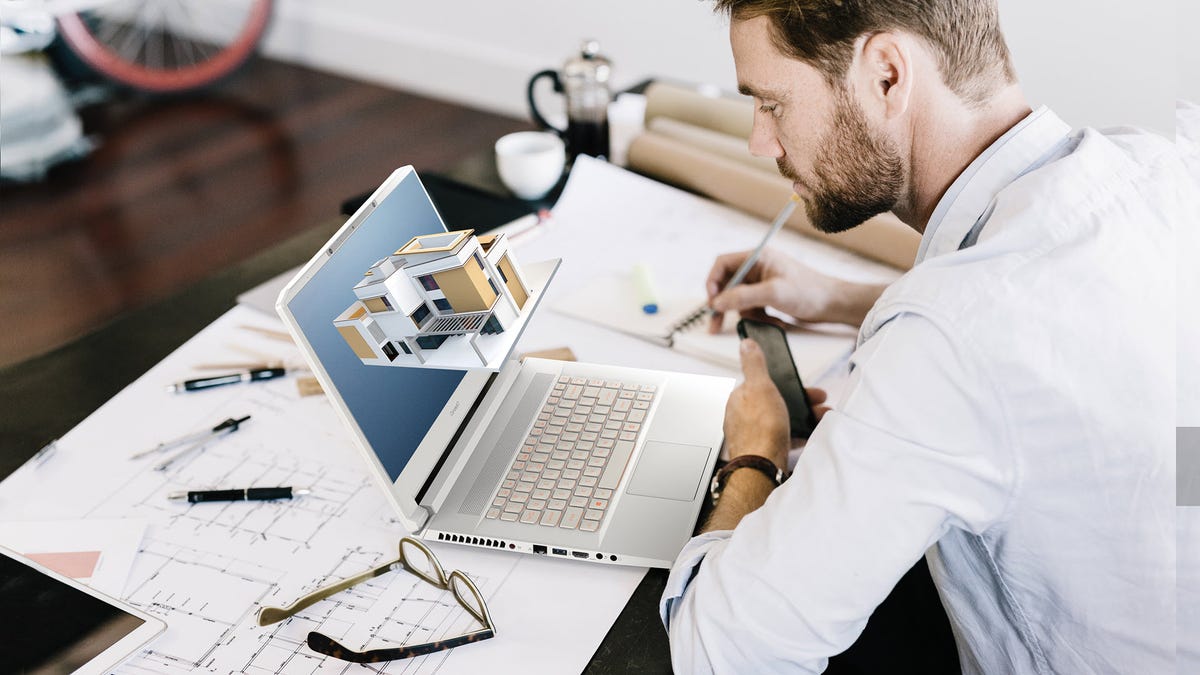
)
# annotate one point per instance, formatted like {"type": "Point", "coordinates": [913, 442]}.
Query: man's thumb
{"type": "Point", "coordinates": [754, 362]}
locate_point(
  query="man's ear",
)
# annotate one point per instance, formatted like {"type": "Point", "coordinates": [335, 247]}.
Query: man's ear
{"type": "Point", "coordinates": [882, 73]}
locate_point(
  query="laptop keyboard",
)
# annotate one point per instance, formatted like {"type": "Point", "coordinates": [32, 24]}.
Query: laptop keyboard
{"type": "Point", "coordinates": [574, 456]}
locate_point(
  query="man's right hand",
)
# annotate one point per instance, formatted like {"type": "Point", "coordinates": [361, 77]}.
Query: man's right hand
{"type": "Point", "coordinates": [776, 280]}
{"type": "Point", "coordinates": [779, 281]}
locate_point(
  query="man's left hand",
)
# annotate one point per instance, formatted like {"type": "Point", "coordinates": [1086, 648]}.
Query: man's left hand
{"type": "Point", "coordinates": [756, 418]}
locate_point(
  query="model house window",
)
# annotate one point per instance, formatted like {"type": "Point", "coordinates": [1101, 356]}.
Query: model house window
{"type": "Point", "coordinates": [478, 261]}
{"type": "Point", "coordinates": [378, 304]}
{"type": "Point", "coordinates": [428, 282]}
{"type": "Point", "coordinates": [493, 285]}
{"type": "Point", "coordinates": [442, 304]}
{"type": "Point", "coordinates": [390, 351]}
{"type": "Point", "coordinates": [421, 314]}
{"type": "Point", "coordinates": [500, 269]}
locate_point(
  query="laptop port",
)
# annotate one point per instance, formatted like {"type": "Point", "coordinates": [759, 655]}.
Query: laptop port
{"type": "Point", "coordinates": [579, 554]}
{"type": "Point", "coordinates": [539, 549]}
{"type": "Point", "coordinates": [558, 551]}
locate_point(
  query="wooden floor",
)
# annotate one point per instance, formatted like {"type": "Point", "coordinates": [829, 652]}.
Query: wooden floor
{"type": "Point", "coordinates": [180, 188]}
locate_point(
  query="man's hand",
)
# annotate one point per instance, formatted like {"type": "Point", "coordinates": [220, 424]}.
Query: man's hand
{"type": "Point", "coordinates": [756, 423]}
{"type": "Point", "coordinates": [789, 286]}
{"type": "Point", "coordinates": [756, 418]}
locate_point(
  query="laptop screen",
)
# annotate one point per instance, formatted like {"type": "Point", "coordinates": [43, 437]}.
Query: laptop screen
{"type": "Point", "coordinates": [394, 407]}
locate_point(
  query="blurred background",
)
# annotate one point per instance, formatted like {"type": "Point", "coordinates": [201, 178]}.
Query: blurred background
{"type": "Point", "coordinates": [115, 197]}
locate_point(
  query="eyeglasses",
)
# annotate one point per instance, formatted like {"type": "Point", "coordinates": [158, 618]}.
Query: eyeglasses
{"type": "Point", "coordinates": [419, 560]}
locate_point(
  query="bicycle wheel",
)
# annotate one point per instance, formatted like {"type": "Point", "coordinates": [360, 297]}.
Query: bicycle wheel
{"type": "Point", "coordinates": [166, 45]}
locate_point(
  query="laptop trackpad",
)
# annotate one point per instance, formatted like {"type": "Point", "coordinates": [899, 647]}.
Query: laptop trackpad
{"type": "Point", "coordinates": [669, 470]}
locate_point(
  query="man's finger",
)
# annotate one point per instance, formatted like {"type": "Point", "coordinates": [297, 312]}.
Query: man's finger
{"type": "Point", "coordinates": [723, 268]}
{"type": "Point", "coordinates": [754, 363]}
{"type": "Point", "coordinates": [743, 297]}
{"type": "Point", "coordinates": [816, 395]}
{"type": "Point", "coordinates": [715, 321]}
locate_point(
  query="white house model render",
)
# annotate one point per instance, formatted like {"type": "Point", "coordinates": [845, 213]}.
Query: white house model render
{"type": "Point", "coordinates": [437, 292]}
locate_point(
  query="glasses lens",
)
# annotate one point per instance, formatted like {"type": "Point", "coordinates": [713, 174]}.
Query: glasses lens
{"type": "Point", "coordinates": [422, 563]}
{"type": "Point", "coordinates": [468, 595]}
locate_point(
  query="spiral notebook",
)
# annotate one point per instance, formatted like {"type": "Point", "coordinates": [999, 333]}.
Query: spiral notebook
{"type": "Point", "coordinates": [680, 323]}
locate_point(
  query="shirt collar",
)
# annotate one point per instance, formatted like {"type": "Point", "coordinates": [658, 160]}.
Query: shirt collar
{"type": "Point", "coordinates": [1001, 163]}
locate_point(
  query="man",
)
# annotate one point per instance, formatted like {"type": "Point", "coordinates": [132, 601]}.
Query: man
{"type": "Point", "coordinates": [1008, 413]}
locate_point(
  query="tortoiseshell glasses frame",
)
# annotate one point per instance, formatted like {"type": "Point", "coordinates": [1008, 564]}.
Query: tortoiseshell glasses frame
{"type": "Point", "coordinates": [456, 582]}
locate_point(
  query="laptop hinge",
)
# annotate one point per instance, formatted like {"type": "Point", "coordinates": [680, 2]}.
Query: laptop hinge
{"type": "Point", "coordinates": [454, 440]}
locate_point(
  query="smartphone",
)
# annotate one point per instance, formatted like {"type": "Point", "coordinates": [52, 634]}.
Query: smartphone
{"type": "Point", "coordinates": [782, 368]}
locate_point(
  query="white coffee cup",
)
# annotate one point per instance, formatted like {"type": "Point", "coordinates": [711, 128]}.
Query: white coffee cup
{"type": "Point", "coordinates": [530, 162]}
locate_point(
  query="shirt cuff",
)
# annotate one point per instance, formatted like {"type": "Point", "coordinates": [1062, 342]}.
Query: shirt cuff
{"type": "Point", "coordinates": [687, 564]}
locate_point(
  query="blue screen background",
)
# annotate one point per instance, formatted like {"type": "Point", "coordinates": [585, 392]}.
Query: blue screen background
{"type": "Point", "coordinates": [394, 407]}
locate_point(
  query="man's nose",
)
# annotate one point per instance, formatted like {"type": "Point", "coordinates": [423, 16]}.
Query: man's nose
{"type": "Point", "coordinates": [764, 142]}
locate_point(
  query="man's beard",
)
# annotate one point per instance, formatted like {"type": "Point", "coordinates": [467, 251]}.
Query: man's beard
{"type": "Point", "coordinates": [858, 172]}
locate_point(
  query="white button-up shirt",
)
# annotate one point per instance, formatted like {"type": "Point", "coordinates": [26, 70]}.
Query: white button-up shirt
{"type": "Point", "coordinates": [1008, 415]}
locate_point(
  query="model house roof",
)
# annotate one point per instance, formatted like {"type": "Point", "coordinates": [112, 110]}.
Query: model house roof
{"type": "Point", "coordinates": [440, 242]}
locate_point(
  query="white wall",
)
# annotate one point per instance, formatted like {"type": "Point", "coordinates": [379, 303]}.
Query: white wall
{"type": "Point", "coordinates": [1096, 62]}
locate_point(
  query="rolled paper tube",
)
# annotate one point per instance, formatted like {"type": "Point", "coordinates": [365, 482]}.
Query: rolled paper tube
{"type": "Point", "coordinates": [722, 145]}
{"type": "Point", "coordinates": [724, 114]}
{"type": "Point", "coordinates": [883, 238]}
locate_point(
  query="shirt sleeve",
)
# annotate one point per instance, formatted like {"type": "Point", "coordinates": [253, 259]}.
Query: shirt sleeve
{"type": "Point", "coordinates": [917, 446]}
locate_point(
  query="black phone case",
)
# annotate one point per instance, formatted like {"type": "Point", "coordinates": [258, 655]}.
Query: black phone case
{"type": "Point", "coordinates": [782, 368]}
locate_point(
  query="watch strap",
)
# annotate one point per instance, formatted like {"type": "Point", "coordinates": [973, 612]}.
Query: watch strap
{"type": "Point", "coordinates": [757, 462]}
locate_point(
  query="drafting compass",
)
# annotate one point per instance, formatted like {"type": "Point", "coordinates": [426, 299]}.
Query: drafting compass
{"type": "Point", "coordinates": [190, 443]}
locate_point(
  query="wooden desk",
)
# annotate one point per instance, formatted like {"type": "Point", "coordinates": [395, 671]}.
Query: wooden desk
{"type": "Point", "coordinates": [45, 397]}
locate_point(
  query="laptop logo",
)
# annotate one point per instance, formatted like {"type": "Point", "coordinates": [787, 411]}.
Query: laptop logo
{"type": "Point", "coordinates": [454, 408]}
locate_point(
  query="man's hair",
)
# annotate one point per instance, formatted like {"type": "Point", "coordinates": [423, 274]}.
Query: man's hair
{"type": "Point", "coordinates": [964, 35]}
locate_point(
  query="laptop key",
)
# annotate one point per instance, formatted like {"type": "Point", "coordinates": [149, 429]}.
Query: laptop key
{"type": "Point", "coordinates": [556, 504]}
{"type": "Point", "coordinates": [509, 516]}
{"type": "Point", "coordinates": [493, 513]}
{"type": "Point", "coordinates": [616, 465]}
{"type": "Point", "coordinates": [570, 518]}
{"type": "Point", "coordinates": [579, 501]}
{"type": "Point", "coordinates": [589, 525]}
{"type": "Point", "coordinates": [593, 514]}
{"type": "Point", "coordinates": [550, 518]}
{"type": "Point", "coordinates": [530, 517]}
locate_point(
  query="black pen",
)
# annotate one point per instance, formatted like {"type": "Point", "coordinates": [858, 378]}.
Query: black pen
{"type": "Point", "coordinates": [254, 375]}
{"type": "Point", "coordinates": [238, 495]}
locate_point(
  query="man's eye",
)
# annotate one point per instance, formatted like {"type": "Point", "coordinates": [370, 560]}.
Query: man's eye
{"type": "Point", "coordinates": [769, 108]}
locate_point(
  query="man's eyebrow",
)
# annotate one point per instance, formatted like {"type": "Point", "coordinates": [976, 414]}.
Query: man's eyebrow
{"type": "Point", "coordinates": [751, 90]}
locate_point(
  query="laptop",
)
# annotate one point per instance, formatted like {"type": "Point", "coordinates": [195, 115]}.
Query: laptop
{"type": "Point", "coordinates": [579, 461]}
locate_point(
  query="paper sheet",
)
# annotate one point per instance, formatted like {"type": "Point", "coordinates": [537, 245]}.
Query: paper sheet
{"type": "Point", "coordinates": [206, 568]}
{"type": "Point", "coordinates": [96, 552]}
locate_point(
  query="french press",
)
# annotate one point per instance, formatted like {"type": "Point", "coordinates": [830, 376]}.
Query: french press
{"type": "Point", "coordinates": [584, 82]}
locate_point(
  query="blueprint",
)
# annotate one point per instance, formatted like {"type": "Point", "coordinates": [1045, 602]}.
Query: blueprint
{"type": "Point", "coordinates": [206, 568]}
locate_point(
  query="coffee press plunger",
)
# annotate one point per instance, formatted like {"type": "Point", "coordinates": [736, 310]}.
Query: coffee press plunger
{"type": "Point", "coordinates": [584, 82]}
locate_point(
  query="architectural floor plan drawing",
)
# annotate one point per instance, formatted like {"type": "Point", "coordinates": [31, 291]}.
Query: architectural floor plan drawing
{"type": "Point", "coordinates": [207, 568]}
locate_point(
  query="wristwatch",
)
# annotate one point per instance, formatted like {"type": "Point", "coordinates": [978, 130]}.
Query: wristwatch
{"type": "Point", "coordinates": [758, 462]}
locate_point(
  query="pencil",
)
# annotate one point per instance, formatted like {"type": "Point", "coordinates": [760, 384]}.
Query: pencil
{"type": "Point", "coordinates": [748, 263]}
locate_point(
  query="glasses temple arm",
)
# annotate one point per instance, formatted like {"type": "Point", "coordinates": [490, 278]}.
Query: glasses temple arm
{"type": "Point", "coordinates": [270, 615]}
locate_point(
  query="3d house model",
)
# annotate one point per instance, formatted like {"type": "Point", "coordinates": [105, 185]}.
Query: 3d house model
{"type": "Point", "coordinates": [437, 287]}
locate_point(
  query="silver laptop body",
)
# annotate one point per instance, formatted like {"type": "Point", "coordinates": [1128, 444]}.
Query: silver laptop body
{"type": "Point", "coordinates": [580, 461]}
